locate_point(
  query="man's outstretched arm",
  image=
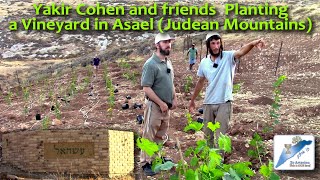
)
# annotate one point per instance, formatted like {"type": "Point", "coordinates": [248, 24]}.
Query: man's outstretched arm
{"type": "Point", "coordinates": [246, 48]}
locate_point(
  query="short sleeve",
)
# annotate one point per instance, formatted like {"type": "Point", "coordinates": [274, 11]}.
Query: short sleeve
{"type": "Point", "coordinates": [200, 70]}
{"type": "Point", "coordinates": [233, 59]}
{"type": "Point", "coordinates": [147, 78]}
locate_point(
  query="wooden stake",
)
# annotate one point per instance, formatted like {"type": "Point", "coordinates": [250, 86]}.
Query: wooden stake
{"type": "Point", "coordinates": [184, 44]}
{"type": "Point", "coordinates": [200, 50]}
{"type": "Point", "coordinates": [275, 73]}
{"type": "Point", "coordinates": [17, 77]}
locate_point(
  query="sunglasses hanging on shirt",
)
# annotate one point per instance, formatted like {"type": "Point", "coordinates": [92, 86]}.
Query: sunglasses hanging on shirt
{"type": "Point", "coordinates": [215, 65]}
{"type": "Point", "coordinates": [168, 69]}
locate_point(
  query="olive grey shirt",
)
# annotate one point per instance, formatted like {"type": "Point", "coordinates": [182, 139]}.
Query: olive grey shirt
{"type": "Point", "coordinates": [158, 75]}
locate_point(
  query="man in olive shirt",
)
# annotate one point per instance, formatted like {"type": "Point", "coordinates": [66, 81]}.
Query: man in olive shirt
{"type": "Point", "coordinates": [157, 83]}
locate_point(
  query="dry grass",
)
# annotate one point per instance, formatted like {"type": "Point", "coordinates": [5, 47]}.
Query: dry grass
{"type": "Point", "coordinates": [9, 67]}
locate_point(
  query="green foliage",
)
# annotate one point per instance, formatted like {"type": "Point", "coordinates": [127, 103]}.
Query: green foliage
{"type": "Point", "coordinates": [105, 68]}
{"type": "Point", "coordinates": [131, 75]}
{"type": "Point", "coordinates": [45, 123]}
{"type": "Point", "coordinates": [224, 143]}
{"type": "Point", "coordinates": [111, 98]}
{"type": "Point", "coordinates": [50, 94]}
{"type": "Point", "coordinates": [243, 170]}
{"type": "Point", "coordinates": [86, 81]}
{"type": "Point", "coordinates": [108, 81]}
{"type": "Point", "coordinates": [194, 125]}
{"type": "Point", "coordinates": [268, 173]}
{"type": "Point", "coordinates": [41, 96]}
{"type": "Point", "coordinates": [275, 107]}
{"type": "Point", "coordinates": [25, 110]}
{"type": "Point", "coordinates": [164, 166]}
{"type": "Point", "coordinates": [124, 64]}
{"type": "Point", "coordinates": [236, 88]}
{"type": "Point", "coordinates": [110, 88]}
{"type": "Point", "coordinates": [147, 146]}
{"type": "Point", "coordinates": [26, 93]}
{"type": "Point", "coordinates": [279, 81]}
{"type": "Point", "coordinates": [72, 88]}
{"type": "Point", "coordinates": [258, 148]}
{"type": "Point", "coordinates": [204, 162]}
{"type": "Point", "coordinates": [57, 111]}
{"type": "Point", "coordinates": [188, 84]}
{"type": "Point", "coordinates": [189, 117]}
{"type": "Point", "coordinates": [89, 71]}
{"type": "Point", "coordinates": [213, 127]}
{"type": "Point", "coordinates": [8, 97]}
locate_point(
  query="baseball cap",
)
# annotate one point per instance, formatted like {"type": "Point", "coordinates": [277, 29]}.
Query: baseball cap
{"type": "Point", "coordinates": [212, 34]}
{"type": "Point", "coordinates": [162, 37]}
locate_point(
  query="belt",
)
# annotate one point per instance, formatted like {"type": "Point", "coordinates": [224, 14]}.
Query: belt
{"type": "Point", "coordinates": [168, 104]}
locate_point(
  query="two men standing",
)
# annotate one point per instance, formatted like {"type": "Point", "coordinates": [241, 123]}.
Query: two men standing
{"type": "Point", "coordinates": [218, 68]}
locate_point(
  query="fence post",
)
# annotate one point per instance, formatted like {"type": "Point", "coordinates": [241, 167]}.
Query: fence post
{"type": "Point", "coordinates": [275, 73]}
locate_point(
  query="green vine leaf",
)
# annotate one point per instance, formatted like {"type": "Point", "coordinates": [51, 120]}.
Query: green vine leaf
{"type": "Point", "coordinates": [147, 146]}
{"type": "Point", "coordinates": [224, 143]}
{"type": "Point", "coordinates": [213, 127]}
{"type": "Point", "coordinates": [193, 126]}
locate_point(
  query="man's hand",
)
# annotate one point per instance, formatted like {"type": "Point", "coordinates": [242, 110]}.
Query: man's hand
{"type": "Point", "coordinates": [174, 104]}
{"type": "Point", "coordinates": [164, 107]}
{"type": "Point", "coordinates": [259, 43]}
{"type": "Point", "coordinates": [192, 106]}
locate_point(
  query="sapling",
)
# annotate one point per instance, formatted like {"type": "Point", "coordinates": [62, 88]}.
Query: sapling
{"type": "Point", "coordinates": [123, 64]}
{"type": "Point", "coordinates": [57, 111]}
{"type": "Point", "coordinates": [236, 88]}
{"type": "Point", "coordinates": [275, 107]}
{"type": "Point", "coordinates": [111, 98]}
{"type": "Point", "coordinates": [258, 148]}
{"type": "Point", "coordinates": [45, 123]}
{"type": "Point", "coordinates": [89, 71]}
{"type": "Point", "coordinates": [86, 81]}
{"type": "Point", "coordinates": [188, 84]}
{"type": "Point", "coordinates": [50, 94]}
{"type": "Point", "coordinates": [8, 97]}
{"type": "Point", "coordinates": [26, 93]}
{"type": "Point", "coordinates": [131, 76]}
{"type": "Point", "coordinates": [267, 172]}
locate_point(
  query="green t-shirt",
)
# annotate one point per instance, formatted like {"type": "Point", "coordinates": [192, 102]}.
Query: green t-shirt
{"type": "Point", "coordinates": [156, 76]}
{"type": "Point", "coordinates": [192, 53]}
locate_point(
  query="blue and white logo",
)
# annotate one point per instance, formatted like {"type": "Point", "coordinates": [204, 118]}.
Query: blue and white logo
{"type": "Point", "coordinates": [294, 152]}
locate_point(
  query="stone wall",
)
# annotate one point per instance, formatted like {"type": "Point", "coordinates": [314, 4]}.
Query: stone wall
{"type": "Point", "coordinates": [85, 151]}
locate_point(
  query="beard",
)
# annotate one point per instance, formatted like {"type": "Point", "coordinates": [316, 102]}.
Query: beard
{"type": "Point", "coordinates": [214, 54]}
{"type": "Point", "coordinates": [164, 52]}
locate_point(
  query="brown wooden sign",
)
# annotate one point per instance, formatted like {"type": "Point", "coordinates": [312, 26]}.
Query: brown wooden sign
{"type": "Point", "coordinates": [68, 150]}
